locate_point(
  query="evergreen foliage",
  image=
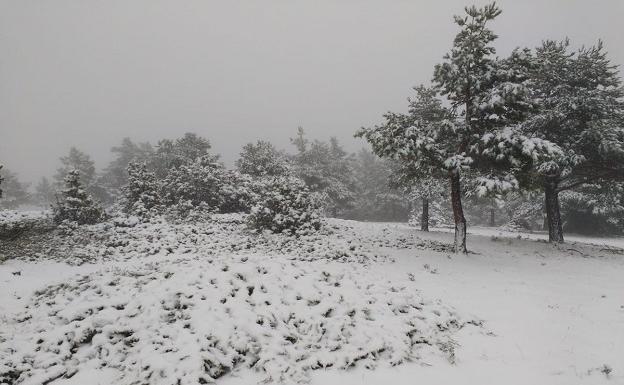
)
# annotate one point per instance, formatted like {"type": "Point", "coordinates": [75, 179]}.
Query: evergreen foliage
{"type": "Point", "coordinates": [326, 168]}
{"type": "Point", "coordinates": [116, 175]}
{"type": "Point", "coordinates": [141, 194]}
{"type": "Point", "coordinates": [207, 185]}
{"type": "Point", "coordinates": [172, 154]}
{"type": "Point", "coordinates": [581, 110]}
{"type": "Point", "coordinates": [76, 160]}
{"type": "Point", "coordinates": [14, 193]}
{"type": "Point", "coordinates": [76, 204]}
{"type": "Point", "coordinates": [488, 99]}
{"type": "Point", "coordinates": [285, 206]}
{"type": "Point", "coordinates": [262, 159]}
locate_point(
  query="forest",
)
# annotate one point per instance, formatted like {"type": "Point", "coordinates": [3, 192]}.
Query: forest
{"type": "Point", "coordinates": [477, 233]}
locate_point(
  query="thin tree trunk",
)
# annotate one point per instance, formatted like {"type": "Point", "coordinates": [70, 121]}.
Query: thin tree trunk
{"type": "Point", "coordinates": [458, 213]}
{"type": "Point", "coordinates": [553, 213]}
{"type": "Point", "coordinates": [424, 219]}
{"type": "Point", "coordinates": [492, 218]}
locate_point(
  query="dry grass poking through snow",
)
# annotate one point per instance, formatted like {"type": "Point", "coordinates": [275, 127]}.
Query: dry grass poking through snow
{"type": "Point", "coordinates": [194, 320]}
{"type": "Point", "coordinates": [187, 303]}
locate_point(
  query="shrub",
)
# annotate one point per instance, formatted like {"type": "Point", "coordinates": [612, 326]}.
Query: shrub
{"type": "Point", "coordinates": [206, 184]}
{"type": "Point", "coordinates": [285, 205]}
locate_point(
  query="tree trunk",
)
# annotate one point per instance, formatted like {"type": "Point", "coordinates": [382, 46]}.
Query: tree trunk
{"type": "Point", "coordinates": [424, 219]}
{"type": "Point", "coordinates": [553, 214]}
{"type": "Point", "coordinates": [492, 218]}
{"type": "Point", "coordinates": [458, 213]}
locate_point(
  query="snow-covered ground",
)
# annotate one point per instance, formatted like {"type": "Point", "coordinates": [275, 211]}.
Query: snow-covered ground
{"type": "Point", "coordinates": [364, 303]}
{"type": "Point", "coordinates": [541, 235]}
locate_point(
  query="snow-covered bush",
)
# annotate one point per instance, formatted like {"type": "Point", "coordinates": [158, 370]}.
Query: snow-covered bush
{"type": "Point", "coordinates": [236, 192]}
{"type": "Point", "coordinates": [205, 184]}
{"type": "Point", "coordinates": [76, 204]}
{"type": "Point", "coordinates": [13, 224]}
{"type": "Point", "coordinates": [141, 196]}
{"type": "Point", "coordinates": [262, 159]}
{"type": "Point", "coordinates": [193, 320]}
{"type": "Point", "coordinates": [285, 205]}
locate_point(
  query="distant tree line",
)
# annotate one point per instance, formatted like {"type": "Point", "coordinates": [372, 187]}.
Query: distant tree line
{"type": "Point", "coordinates": [533, 140]}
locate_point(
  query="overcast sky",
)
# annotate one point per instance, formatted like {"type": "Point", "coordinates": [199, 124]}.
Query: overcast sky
{"type": "Point", "coordinates": [88, 73]}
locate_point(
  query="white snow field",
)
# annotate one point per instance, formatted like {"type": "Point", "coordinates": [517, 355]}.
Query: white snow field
{"type": "Point", "coordinates": [359, 303]}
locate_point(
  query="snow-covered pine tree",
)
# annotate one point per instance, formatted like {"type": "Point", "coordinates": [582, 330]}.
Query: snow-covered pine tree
{"type": "Point", "coordinates": [141, 193]}
{"type": "Point", "coordinates": [76, 160]}
{"type": "Point", "coordinates": [580, 109]}
{"type": "Point", "coordinates": [15, 193]}
{"type": "Point", "coordinates": [488, 99]}
{"type": "Point", "coordinates": [326, 169]}
{"type": "Point", "coordinates": [76, 204]}
{"type": "Point", "coordinates": [116, 173]}
{"type": "Point", "coordinates": [171, 154]}
{"type": "Point", "coordinates": [191, 146]}
{"type": "Point", "coordinates": [261, 159]}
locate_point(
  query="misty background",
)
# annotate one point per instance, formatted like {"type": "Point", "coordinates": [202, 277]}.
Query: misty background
{"type": "Point", "coordinates": [88, 73]}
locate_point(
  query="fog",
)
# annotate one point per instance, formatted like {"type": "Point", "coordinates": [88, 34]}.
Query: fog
{"type": "Point", "coordinates": [87, 73]}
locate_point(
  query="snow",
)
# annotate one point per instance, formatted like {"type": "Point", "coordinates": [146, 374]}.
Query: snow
{"type": "Point", "coordinates": [513, 311]}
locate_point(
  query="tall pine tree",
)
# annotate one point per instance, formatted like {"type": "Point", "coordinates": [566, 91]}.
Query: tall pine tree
{"type": "Point", "coordinates": [488, 98]}
{"type": "Point", "coordinates": [580, 109]}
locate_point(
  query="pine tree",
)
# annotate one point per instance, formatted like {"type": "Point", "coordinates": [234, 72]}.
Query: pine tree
{"type": "Point", "coordinates": [76, 160]}
{"type": "Point", "coordinates": [488, 98]}
{"type": "Point", "coordinates": [116, 174]}
{"type": "Point", "coordinates": [141, 194]}
{"type": "Point", "coordinates": [76, 204]}
{"type": "Point", "coordinates": [15, 193]}
{"type": "Point", "coordinates": [170, 154]}
{"type": "Point", "coordinates": [580, 109]}
{"type": "Point", "coordinates": [262, 159]}
{"type": "Point", "coordinates": [326, 169]}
